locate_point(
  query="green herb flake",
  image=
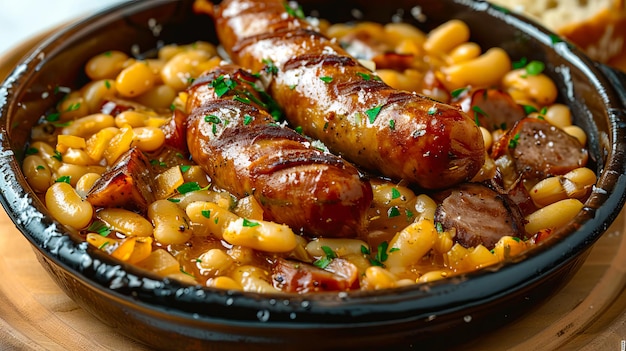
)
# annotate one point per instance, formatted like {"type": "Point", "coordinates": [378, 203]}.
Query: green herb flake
{"type": "Point", "coordinates": [40, 168]}
{"type": "Point", "coordinates": [173, 200]}
{"type": "Point", "coordinates": [184, 168]}
{"type": "Point", "coordinates": [408, 213]}
{"type": "Point", "coordinates": [373, 113]}
{"type": "Point", "coordinates": [212, 119]}
{"type": "Point", "coordinates": [432, 110]}
{"type": "Point", "coordinates": [99, 227]}
{"type": "Point", "coordinates": [247, 119]}
{"type": "Point", "coordinates": [249, 223]}
{"type": "Point", "coordinates": [439, 227]}
{"type": "Point", "coordinates": [458, 92]}
{"type": "Point", "coordinates": [298, 129]}
{"type": "Point", "coordinates": [206, 213]}
{"type": "Point", "coordinates": [190, 80]}
{"type": "Point", "coordinates": [32, 151]}
{"type": "Point", "coordinates": [326, 79]}
{"type": "Point", "coordinates": [53, 117]}
{"type": "Point", "coordinates": [188, 187]}
{"type": "Point", "coordinates": [57, 155]}
{"type": "Point", "coordinates": [63, 179]}
{"type": "Point", "coordinates": [395, 193]}
{"type": "Point", "coordinates": [554, 39]}
{"type": "Point", "coordinates": [324, 261]}
{"type": "Point", "coordinates": [535, 67]}
{"type": "Point", "coordinates": [392, 124]}
{"type": "Point", "coordinates": [241, 99]}
{"type": "Point", "coordinates": [73, 107]}
{"type": "Point", "coordinates": [172, 107]}
{"type": "Point", "coordinates": [543, 111]}
{"type": "Point", "coordinates": [104, 244]}
{"type": "Point", "coordinates": [270, 67]}
{"type": "Point", "coordinates": [108, 54]}
{"type": "Point", "coordinates": [221, 85]}
{"type": "Point", "coordinates": [107, 84]}
{"type": "Point", "coordinates": [294, 12]}
{"type": "Point", "coordinates": [393, 212]}
{"type": "Point", "coordinates": [520, 64]}
{"type": "Point", "coordinates": [514, 141]}
{"type": "Point", "coordinates": [528, 109]}
{"type": "Point", "coordinates": [365, 250]}
{"type": "Point", "coordinates": [365, 76]}
{"type": "Point", "coordinates": [381, 253]}
{"type": "Point", "coordinates": [477, 113]}
{"type": "Point", "coordinates": [187, 273]}
{"type": "Point", "coordinates": [394, 249]}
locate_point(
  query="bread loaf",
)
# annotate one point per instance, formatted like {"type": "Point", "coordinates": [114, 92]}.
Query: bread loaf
{"type": "Point", "coordinates": [598, 27]}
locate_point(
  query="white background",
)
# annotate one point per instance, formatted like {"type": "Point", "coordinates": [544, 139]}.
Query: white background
{"type": "Point", "coordinates": [22, 19]}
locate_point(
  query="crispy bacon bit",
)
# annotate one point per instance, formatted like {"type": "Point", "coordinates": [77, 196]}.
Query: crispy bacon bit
{"type": "Point", "coordinates": [127, 184]}
{"type": "Point", "coordinates": [299, 277]}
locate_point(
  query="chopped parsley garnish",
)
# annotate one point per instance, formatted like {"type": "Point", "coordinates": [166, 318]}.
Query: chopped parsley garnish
{"type": "Point", "coordinates": [392, 124]}
{"type": "Point", "coordinates": [458, 92]}
{"type": "Point", "coordinates": [206, 213]}
{"type": "Point", "coordinates": [247, 119]}
{"type": "Point", "coordinates": [73, 107]}
{"type": "Point", "coordinates": [53, 117]}
{"type": "Point", "coordinates": [534, 68]}
{"type": "Point", "coordinates": [108, 54]}
{"type": "Point", "coordinates": [365, 76]}
{"type": "Point", "coordinates": [99, 227]}
{"type": "Point", "coordinates": [528, 109]}
{"type": "Point", "coordinates": [189, 187]}
{"type": "Point", "coordinates": [393, 212]}
{"type": "Point", "coordinates": [32, 151]}
{"type": "Point", "coordinates": [270, 67]}
{"type": "Point", "coordinates": [514, 141]}
{"type": "Point", "coordinates": [395, 193]}
{"type": "Point", "coordinates": [63, 179]}
{"type": "Point", "coordinates": [184, 168]}
{"type": "Point", "coordinates": [187, 273]}
{"type": "Point", "coordinates": [324, 261]}
{"type": "Point", "coordinates": [40, 167]}
{"type": "Point", "coordinates": [520, 64]}
{"type": "Point", "coordinates": [107, 84]}
{"type": "Point", "coordinates": [294, 12]}
{"type": "Point", "coordinates": [326, 79]}
{"type": "Point", "coordinates": [477, 112]}
{"type": "Point", "coordinates": [173, 200]}
{"type": "Point", "coordinates": [555, 38]}
{"type": "Point", "coordinates": [172, 107]}
{"type": "Point", "coordinates": [408, 213]}
{"type": "Point", "coordinates": [241, 99]}
{"type": "Point", "coordinates": [57, 155]}
{"type": "Point", "coordinates": [298, 129]}
{"type": "Point", "coordinates": [249, 223]}
{"type": "Point", "coordinates": [104, 244]}
{"type": "Point", "coordinates": [373, 112]}
{"type": "Point", "coordinates": [432, 110]}
{"type": "Point", "coordinates": [439, 227]}
{"type": "Point", "coordinates": [222, 85]}
{"type": "Point", "coordinates": [212, 119]}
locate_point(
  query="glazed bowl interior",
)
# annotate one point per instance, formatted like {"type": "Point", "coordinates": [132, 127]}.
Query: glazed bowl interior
{"type": "Point", "coordinates": [163, 312]}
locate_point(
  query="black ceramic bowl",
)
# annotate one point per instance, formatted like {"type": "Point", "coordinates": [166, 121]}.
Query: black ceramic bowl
{"type": "Point", "coordinates": [169, 315]}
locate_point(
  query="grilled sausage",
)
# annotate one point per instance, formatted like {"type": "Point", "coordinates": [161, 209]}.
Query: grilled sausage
{"type": "Point", "coordinates": [540, 149]}
{"type": "Point", "coordinates": [465, 208]}
{"type": "Point", "coordinates": [244, 151]}
{"type": "Point", "coordinates": [333, 98]}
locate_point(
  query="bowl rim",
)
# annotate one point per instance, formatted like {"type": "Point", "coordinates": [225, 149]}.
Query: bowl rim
{"type": "Point", "coordinates": [444, 296]}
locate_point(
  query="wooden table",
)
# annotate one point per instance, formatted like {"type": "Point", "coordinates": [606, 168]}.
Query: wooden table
{"type": "Point", "coordinates": [587, 314]}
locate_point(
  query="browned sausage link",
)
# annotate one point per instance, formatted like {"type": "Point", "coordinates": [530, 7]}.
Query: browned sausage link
{"type": "Point", "coordinates": [540, 149]}
{"type": "Point", "coordinates": [334, 99]}
{"type": "Point", "coordinates": [465, 207]}
{"type": "Point", "coordinates": [245, 152]}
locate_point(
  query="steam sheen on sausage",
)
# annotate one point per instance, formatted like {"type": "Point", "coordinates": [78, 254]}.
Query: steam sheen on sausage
{"type": "Point", "coordinates": [333, 98]}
